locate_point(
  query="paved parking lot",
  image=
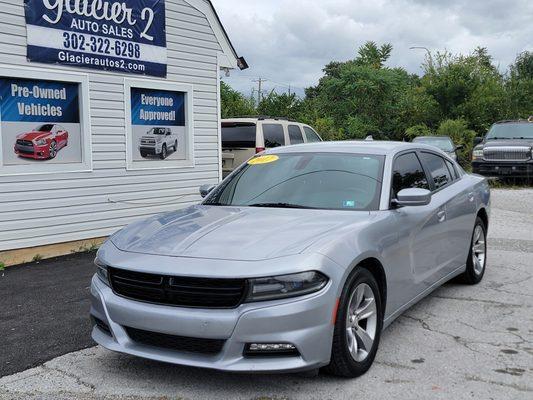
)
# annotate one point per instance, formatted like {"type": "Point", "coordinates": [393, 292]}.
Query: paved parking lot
{"type": "Point", "coordinates": [460, 343]}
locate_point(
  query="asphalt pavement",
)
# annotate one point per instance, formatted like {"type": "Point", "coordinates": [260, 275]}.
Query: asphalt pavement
{"type": "Point", "coordinates": [44, 311]}
{"type": "Point", "coordinates": [462, 342]}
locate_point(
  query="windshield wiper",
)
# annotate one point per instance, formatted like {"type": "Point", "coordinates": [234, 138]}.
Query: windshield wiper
{"type": "Point", "coordinates": [281, 205]}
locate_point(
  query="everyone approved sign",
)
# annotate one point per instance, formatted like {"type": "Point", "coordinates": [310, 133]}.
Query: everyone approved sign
{"type": "Point", "coordinates": [126, 36]}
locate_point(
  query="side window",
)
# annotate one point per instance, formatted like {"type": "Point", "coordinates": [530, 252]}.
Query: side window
{"type": "Point", "coordinates": [311, 135]}
{"type": "Point", "coordinates": [408, 173]}
{"type": "Point", "coordinates": [452, 169]}
{"type": "Point", "coordinates": [295, 134]}
{"type": "Point", "coordinates": [438, 169]}
{"type": "Point", "coordinates": [274, 135]}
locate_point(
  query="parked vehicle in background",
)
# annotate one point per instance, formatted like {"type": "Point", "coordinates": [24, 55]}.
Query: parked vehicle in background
{"type": "Point", "coordinates": [244, 137]}
{"type": "Point", "coordinates": [157, 142]}
{"type": "Point", "coordinates": [506, 151]}
{"type": "Point", "coordinates": [443, 143]}
{"type": "Point", "coordinates": [296, 261]}
{"type": "Point", "coordinates": [42, 143]}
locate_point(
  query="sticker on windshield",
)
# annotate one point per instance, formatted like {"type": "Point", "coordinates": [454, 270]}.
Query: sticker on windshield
{"type": "Point", "coordinates": [348, 204]}
{"type": "Point", "coordinates": [263, 160]}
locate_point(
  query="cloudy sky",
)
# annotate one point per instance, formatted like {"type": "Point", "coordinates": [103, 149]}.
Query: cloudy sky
{"type": "Point", "coordinates": [288, 42]}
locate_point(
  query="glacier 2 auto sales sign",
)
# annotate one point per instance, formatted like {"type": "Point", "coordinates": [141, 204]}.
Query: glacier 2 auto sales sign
{"type": "Point", "coordinates": [126, 36]}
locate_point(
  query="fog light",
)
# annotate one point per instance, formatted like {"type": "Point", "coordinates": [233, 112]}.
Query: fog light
{"type": "Point", "coordinates": [270, 349]}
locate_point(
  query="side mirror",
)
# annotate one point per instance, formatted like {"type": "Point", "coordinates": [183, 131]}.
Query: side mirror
{"type": "Point", "coordinates": [460, 147]}
{"type": "Point", "coordinates": [478, 140]}
{"type": "Point", "coordinates": [206, 189]}
{"type": "Point", "coordinates": [413, 198]}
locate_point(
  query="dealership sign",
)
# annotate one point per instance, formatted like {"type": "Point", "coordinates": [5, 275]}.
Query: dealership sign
{"type": "Point", "coordinates": [126, 36]}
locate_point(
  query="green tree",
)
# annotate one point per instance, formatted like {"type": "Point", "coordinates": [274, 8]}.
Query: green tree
{"type": "Point", "coordinates": [233, 103]}
{"type": "Point", "coordinates": [519, 86]}
{"type": "Point", "coordinates": [280, 105]}
{"type": "Point", "coordinates": [458, 131]}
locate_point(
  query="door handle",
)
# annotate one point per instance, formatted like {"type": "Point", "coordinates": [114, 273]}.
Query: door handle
{"type": "Point", "coordinates": [442, 216]}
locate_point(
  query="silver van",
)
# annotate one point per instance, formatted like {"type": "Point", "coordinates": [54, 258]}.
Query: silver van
{"type": "Point", "coordinates": [242, 138]}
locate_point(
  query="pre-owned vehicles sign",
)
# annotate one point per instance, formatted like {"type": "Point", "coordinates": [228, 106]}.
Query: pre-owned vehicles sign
{"type": "Point", "coordinates": [40, 122]}
{"type": "Point", "coordinates": [126, 36]}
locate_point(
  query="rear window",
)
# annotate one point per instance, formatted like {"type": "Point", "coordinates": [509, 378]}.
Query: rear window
{"type": "Point", "coordinates": [438, 169]}
{"type": "Point", "coordinates": [312, 136]}
{"type": "Point", "coordinates": [238, 134]}
{"type": "Point", "coordinates": [274, 135]}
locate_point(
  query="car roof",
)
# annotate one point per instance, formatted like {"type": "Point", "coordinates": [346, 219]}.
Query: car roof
{"type": "Point", "coordinates": [355, 147]}
{"type": "Point", "coordinates": [254, 120]}
{"type": "Point", "coordinates": [432, 137]}
{"type": "Point", "coordinates": [514, 121]}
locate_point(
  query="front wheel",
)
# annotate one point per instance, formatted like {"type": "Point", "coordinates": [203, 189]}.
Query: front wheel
{"type": "Point", "coordinates": [358, 326]}
{"type": "Point", "coordinates": [53, 149]}
{"type": "Point", "coordinates": [477, 257]}
{"type": "Point", "coordinates": [175, 146]}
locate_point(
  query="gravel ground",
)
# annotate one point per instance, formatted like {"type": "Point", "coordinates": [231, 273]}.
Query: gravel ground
{"type": "Point", "coordinates": [460, 343]}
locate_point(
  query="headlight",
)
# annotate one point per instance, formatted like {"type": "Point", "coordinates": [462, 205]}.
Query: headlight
{"type": "Point", "coordinates": [41, 142]}
{"type": "Point", "coordinates": [101, 271]}
{"type": "Point", "coordinates": [282, 287]}
{"type": "Point", "coordinates": [477, 153]}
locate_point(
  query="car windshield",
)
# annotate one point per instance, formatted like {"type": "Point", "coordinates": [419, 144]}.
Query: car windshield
{"type": "Point", "coordinates": [158, 131]}
{"type": "Point", "coordinates": [44, 128]}
{"type": "Point", "coordinates": [511, 131]}
{"type": "Point", "coordinates": [335, 181]}
{"type": "Point", "coordinates": [444, 143]}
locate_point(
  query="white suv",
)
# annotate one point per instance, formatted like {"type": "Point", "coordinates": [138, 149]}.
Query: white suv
{"type": "Point", "coordinates": [244, 137]}
{"type": "Point", "coordinates": [157, 142]}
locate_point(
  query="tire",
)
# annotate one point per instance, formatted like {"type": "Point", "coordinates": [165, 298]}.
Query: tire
{"type": "Point", "coordinates": [53, 149]}
{"type": "Point", "coordinates": [164, 153]}
{"type": "Point", "coordinates": [175, 146]}
{"type": "Point", "coordinates": [143, 154]}
{"type": "Point", "coordinates": [346, 360]}
{"type": "Point", "coordinates": [477, 257]}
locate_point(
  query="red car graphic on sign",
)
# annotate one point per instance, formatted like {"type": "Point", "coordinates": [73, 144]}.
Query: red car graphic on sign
{"type": "Point", "coordinates": [42, 143]}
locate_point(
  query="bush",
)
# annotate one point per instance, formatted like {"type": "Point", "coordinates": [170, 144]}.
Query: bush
{"type": "Point", "coordinates": [457, 130]}
{"type": "Point", "coordinates": [418, 130]}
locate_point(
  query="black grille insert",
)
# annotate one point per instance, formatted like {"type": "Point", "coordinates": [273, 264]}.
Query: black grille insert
{"type": "Point", "coordinates": [178, 291]}
{"type": "Point", "coordinates": [178, 343]}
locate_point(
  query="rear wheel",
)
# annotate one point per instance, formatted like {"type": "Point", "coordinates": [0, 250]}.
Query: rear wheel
{"type": "Point", "coordinates": [358, 326]}
{"type": "Point", "coordinates": [176, 145]}
{"type": "Point", "coordinates": [477, 258]}
{"type": "Point", "coordinates": [163, 154]}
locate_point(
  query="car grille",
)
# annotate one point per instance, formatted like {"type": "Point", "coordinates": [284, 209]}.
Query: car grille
{"type": "Point", "coordinates": [149, 142]}
{"type": "Point", "coordinates": [25, 142]}
{"type": "Point", "coordinates": [178, 291]}
{"type": "Point", "coordinates": [178, 343]}
{"type": "Point", "coordinates": [507, 153]}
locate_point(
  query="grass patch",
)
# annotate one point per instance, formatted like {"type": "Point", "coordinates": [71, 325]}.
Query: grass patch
{"type": "Point", "coordinates": [86, 249]}
{"type": "Point", "coordinates": [37, 258]}
{"type": "Point", "coordinates": [2, 266]}
{"type": "Point", "coordinates": [510, 183]}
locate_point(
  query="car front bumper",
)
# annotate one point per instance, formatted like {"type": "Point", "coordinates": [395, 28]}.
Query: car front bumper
{"type": "Point", "coordinates": [305, 322]}
{"type": "Point", "coordinates": [35, 152]}
{"type": "Point", "coordinates": [503, 169]}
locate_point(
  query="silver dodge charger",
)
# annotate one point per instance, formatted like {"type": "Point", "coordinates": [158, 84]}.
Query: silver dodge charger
{"type": "Point", "coordinates": [297, 261]}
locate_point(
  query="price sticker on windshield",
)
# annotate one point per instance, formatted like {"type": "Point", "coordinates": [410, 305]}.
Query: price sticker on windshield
{"type": "Point", "coordinates": [263, 160]}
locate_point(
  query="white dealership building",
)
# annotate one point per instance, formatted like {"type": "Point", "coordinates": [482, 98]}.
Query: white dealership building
{"type": "Point", "coordinates": [110, 112]}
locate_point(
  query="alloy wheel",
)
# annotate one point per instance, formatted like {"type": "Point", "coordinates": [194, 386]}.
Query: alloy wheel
{"type": "Point", "coordinates": [361, 322]}
{"type": "Point", "coordinates": [479, 250]}
{"type": "Point", "coordinates": [53, 149]}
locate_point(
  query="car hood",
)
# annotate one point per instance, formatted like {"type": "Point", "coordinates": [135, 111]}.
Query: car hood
{"type": "Point", "coordinates": [35, 135]}
{"type": "Point", "coordinates": [508, 143]}
{"type": "Point", "coordinates": [233, 233]}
